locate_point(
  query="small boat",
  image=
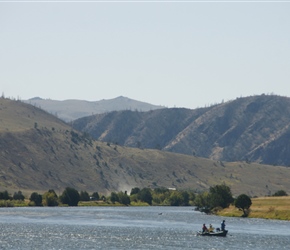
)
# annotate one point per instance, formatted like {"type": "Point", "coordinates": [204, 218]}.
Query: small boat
{"type": "Point", "coordinates": [217, 233]}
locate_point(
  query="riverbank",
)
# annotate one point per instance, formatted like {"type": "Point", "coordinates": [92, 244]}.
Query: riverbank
{"type": "Point", "coordinates": [277, 208]}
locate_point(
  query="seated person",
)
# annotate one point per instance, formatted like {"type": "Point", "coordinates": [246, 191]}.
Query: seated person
{"type": "Point", "coordinates": [204, 229]}
{"type": "Point", "coordinates": [210, 229]}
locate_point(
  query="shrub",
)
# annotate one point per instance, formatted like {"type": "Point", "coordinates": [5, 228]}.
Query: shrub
{"type": "Point", "coordinates": [70, 196]}
{"type": "Point", "coordinates": [50, 198]}
{"type": "Point", "coordinates": [36, 199]}
{"type": "Point", "coordinates": [280, 193]}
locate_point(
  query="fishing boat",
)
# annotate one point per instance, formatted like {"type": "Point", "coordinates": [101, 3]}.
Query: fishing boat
{"type": "Point", "coordinates": [217, 233]}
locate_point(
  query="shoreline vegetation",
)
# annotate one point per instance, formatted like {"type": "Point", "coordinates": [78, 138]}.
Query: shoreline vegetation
{"type": "Point", "coordinates": [218, 201]}
{"type": "Point", "coordinates": [277, 208]}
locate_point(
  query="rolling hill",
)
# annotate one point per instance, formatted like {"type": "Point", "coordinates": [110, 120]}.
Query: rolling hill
{"type": "Point", "coordinates": [252, 129]}
{"type": "Point", "coordinates": [40, 152]}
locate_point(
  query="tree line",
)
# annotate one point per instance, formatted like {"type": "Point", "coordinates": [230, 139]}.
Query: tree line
{"type": "Point", "coordinates": [216, 198]}
{"type": "Point", "coordinates": [71, 197]}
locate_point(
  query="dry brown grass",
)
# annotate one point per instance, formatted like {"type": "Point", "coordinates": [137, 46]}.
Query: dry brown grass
{"type": "Point", "coordinates": [16, 116]}
{"type": "Point", "coordinates": [264, 207]}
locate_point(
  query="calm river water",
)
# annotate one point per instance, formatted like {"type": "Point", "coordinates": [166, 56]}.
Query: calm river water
{"type": "Point", "coordinates": [132, 228]}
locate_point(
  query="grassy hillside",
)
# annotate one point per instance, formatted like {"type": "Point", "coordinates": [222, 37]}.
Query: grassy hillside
{"type": "Point", "coordinates": [253, 129]}
{"type": "Point", "coordinates": [18, 117]}
{"type": "Point", "coordinates": [52, 155]}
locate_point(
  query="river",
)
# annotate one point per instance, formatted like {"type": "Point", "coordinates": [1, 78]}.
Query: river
{"type": "Point", "coordinates": [133, 228]}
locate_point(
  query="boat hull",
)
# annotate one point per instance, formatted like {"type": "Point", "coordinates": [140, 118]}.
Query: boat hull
{"type": "Point", "coordinates": [218, 234]}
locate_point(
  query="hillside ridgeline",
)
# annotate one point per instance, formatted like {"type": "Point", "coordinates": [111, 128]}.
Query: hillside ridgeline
{"type": "Point", "coordinates": [251, 129]}
{"type": "Point", "coordinates": [40, 152]}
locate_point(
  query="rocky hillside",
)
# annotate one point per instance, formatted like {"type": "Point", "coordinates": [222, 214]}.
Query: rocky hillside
{"type": "Point", "coordinates": [40, 152]}
{"type": "Point", "coordinates": [252, 129]}
{"type": "Point", "coordinates": [69, 110]}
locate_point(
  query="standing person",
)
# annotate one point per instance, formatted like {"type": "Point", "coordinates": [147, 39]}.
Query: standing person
{"type": "Point", "coordinates": [223, 225]}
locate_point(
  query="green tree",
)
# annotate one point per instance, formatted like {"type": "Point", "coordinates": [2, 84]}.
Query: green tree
{"type": "Point", "coordinates": [18, 196]}
{"type": "Point", "coordinates": [202, 203]}
{"type": "Point", "coordinates": [185, 198]}
{"type": "Point", "coordinates": [70, 196]}
{"type": "Point", "coordinates": [191, 196]}
{"type": "Point", "coordinates": [36, 198]}
{"type": "Point", "coordinates": [114, 197]}
{"type": "Point", "coordinates": [84, 196]}
{"type": "Point", "coordinates": [220, 196]}
{"type": "Point", "coordinates": [145, 195]}
{"type": "Point", "coordinates": [175, 199]}
{"type": "Point", "coordinates": [280, 193]}
{"type": "Point", "coordinates": [178, 198]}
{"type": "Point", "coordinates": [50, 198]}
{"type": "Point", "coordinates": [135, 190]}
{"type": "Point", "coordinates": [243, 203]}
{"type": "Point", "coordinates": [161, 190]}
{"type": "Point", "coordinates": [161, 198]}
{"type": "Point", "coordinates": [5, 196]}
{"type": "Point", "coordinates": [123, 198]}
{"type": "Point", "coordinates": [96, 196]}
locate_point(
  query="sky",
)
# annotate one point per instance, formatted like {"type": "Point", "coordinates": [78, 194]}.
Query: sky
{"type": "Point", "coordinates": [171, 53]}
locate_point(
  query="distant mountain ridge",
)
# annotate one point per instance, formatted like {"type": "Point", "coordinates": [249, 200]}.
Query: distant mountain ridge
{"type": "Point", "coordinates": [69, 110]}
{"type": "Point", "coordinates": [39, 152]}
{"type": "Point", "coordinates": [255, 128]}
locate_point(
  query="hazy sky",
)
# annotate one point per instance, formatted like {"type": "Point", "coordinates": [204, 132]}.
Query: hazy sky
{"type": "Point", "coordinates": [178, 53]}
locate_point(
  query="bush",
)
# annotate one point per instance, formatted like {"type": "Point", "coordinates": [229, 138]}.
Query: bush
{"type": "Point", "coordinates": [36, 199]}
{"type": "Point", "coordinates": [6, 203]}
{"type": "Point", "coordinates": [50, 198]}
{"type": "Point", "coordinates": [70, 196]}
{"type": "Point", "coordinates": [280, 193]}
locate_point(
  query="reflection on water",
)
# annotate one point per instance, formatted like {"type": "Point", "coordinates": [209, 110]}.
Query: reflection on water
{"type": "Point", "coordinates": [132, 228]}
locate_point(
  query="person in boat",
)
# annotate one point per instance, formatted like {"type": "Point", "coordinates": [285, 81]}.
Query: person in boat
{"type": "Point", "coordinates": [204, 228]}
{"type": "Point", "coordinates": [223, 225]}
{"type": "Point", "coordinates": [211, 228]}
